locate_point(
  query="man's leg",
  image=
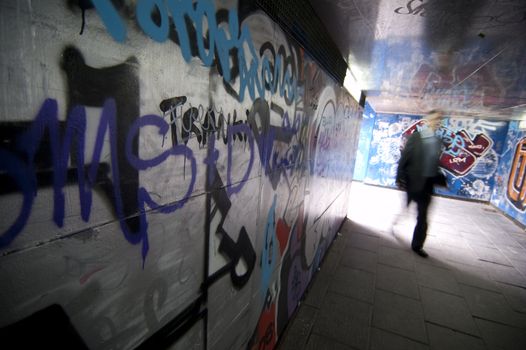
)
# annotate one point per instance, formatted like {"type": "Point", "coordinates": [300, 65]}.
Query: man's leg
{"type": "Point", "coordinates": [422, 199]}
{"type": "Point", "coordinates": [420, 232]}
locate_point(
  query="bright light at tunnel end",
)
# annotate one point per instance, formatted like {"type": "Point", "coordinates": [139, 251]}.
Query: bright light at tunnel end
{"type": "Point", "coordinates": [352, 85]}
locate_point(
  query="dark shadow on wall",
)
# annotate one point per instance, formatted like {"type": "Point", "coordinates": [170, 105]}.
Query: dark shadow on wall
{"type": "Point", "coordinates": [49, 328]}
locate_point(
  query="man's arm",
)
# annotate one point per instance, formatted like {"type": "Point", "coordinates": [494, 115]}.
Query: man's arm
{"type": "Point", "coordinates": [405, 158]}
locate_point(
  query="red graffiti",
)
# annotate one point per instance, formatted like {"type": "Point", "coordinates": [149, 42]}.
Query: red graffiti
{"type": "Point", "coordinates": [266, 330]}
{"type": "Point", "coordinates": [282, 232]}
{"type": "Point", "coordinates": [461, 150]}
{"type": "Point", "coordinates": [458, 164]}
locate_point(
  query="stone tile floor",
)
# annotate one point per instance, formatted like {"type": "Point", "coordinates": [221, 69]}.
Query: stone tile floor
{"type": "Point", "coordinates": [373, 292]}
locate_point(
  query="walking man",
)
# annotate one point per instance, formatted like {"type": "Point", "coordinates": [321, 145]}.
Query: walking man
{"type": "Point", "coordinates": [418, 172]}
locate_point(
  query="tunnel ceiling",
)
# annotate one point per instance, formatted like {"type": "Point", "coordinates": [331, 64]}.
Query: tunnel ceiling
{"type": "Point", "coordinates": [467, 57]}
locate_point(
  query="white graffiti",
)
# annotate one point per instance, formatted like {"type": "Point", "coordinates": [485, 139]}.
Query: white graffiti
{"type": "Point", "coordinates": [474, 125]}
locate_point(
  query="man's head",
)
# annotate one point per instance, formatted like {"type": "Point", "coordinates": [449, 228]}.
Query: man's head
{"type": "Point", "coordinates": [434, 118]}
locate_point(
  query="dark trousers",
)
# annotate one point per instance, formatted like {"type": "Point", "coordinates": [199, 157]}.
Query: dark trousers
{"type": "Point", "coordinates": [422, 200]}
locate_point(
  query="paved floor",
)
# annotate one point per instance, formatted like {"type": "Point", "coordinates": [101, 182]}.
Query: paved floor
{"type": "Point", "coordinates": [373, 292]}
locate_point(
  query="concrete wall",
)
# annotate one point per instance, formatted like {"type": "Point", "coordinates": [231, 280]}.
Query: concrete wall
{"type": "Point", "coordinates": [164, 182]}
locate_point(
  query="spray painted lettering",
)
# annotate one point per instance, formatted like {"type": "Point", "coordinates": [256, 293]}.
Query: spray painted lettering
{"type": "Point", "coordinates": [516, 192]}
{"type": "Point", "coordinates": [214, 47]}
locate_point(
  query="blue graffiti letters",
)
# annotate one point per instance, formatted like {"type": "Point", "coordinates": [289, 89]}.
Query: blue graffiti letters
{"type": "Point", "coordinates": [111, 19]}
{"type": "Point", "coordinates": [140, 164]}
{"type": "Point", "coordinates": [228, 45]}
{"type": "Point", "coordinates": [144, 9]}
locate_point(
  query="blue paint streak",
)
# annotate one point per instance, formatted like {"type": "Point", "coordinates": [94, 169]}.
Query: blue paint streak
{"type": "Point", "coordinates": [111, 18]}
{"type": "Point", "coordinates": [144, 10]}
{"type": "Point", "coordinates": [269, 253]}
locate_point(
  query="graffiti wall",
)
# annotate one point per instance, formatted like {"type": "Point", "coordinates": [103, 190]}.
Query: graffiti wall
{"type": "Point", "coordinates": [172, 172]}
{"type": "Point", "coordinates": [470, 154]}
{"type": "Point", "coordinates": [384, 150]}
{"type": "Point", "coordinates": [509, 194]}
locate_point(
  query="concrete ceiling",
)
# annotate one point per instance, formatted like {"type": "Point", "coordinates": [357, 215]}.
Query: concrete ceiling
{"type": "Point", "coordinates": [467, 57]}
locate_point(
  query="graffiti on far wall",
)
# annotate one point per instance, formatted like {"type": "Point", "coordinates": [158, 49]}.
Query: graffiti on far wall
{"type": "Point", "coordinates": [470, 155]}
{"type": "Point", "coordinates": [516, 182]}
{"type": "Point", "coordinates": [509, 190]}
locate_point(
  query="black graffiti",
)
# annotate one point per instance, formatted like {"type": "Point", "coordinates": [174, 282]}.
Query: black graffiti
{"type": "Point", "coordinates": [178, 326]}
{"type": "Point", "coordinates": [218, 203]}
{"type": "Point", "coordinates": [266, 135]}
{"type": "Point", "coordinates": [89, 86]}
{"type": "Point", "coordinates": [242, 249]}
{"type": "Point", "coordinates": [10, 132]}
{"type": "Point", "coordinates": [409, 10]}
{"type": "Point", "coordinates": [199, 122]}
{"type": "Point", "coordinates": [276, 71]}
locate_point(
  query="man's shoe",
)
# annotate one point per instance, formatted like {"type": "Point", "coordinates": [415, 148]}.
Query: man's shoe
{"type": "Point", "coordinates": [421, 252]}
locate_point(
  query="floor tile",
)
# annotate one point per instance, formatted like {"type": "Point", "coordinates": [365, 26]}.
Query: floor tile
{"type": "Point", "coordinates": [401, 258]}
{"type": "Point", "coordinates": [449, 339]}
{"type": "Point", "coordinates": [318, 342]}
{"type": "Point", "coordinates": [344, 319]}
{"type": "Point", "coordinates": [318, 289]}
{"type": "Point", "coordinates": [492, 306]}
{"type": "Point", "coordinates": [498, 336]}
{"type": "Point", "coordinates": [514, 253]}
{"type": "Point", "coordinates": [437, 278]}
{"type": "Point", "coordinates": [353, 283]}
{"type": "Point", "coordinates": [400, 315]}
{"type": "Point", "coordinates": [520, 266]}
{"type": "Point", "coordinates": [491, 255]}
{"type": "Point", "coordinates": [477, 238]}
{"type": "Point", "coordinates": [515, 296]}
{"type": "Point", "coordinates": [359, 259]}
{"type": "Point", "coordinates": [331, 261]}
{"type": "Point", "coordinates": [461, 255]}
{"type": "Point", "coordinates": [448, 310]}
{"type": "Point", "coordinates": [363, 241]}
{"type": "Point", "coordinates": [505, 274]}
{"type": "Point", "coordinates": [297, 332]}
{"type": "Point", "coordinates": [473, 276]}
{"type": "Point", "coordinates": [382, 340]}
{"type": "Point", "coordinates": [397, 280]}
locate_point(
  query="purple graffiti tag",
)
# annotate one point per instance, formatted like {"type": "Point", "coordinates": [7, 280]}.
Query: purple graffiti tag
{"type": "Point", "coordinates": [21, 167]}
{"type": "Point", "coordinates": [143, 164]}
{"type": "Point", "coordinates": [22, 175]}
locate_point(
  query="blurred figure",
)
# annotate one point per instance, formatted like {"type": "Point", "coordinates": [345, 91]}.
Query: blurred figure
{"type": "Point", "coordinates": [418, 172]}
